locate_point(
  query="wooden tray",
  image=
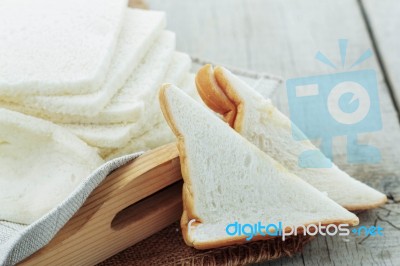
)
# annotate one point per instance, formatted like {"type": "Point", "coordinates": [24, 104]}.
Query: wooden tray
{"type": "Point", "coordinates": [134, 202]}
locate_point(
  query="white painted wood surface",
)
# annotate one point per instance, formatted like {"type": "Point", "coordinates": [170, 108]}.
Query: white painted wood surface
{"type": "Point", "coordinates": [384, 19]}
{"type": "Point", "coordinates": [282, 38]}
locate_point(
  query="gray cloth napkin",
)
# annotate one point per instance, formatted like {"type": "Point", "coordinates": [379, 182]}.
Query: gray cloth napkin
{"type": "Point", "coordinates": [17, 241]}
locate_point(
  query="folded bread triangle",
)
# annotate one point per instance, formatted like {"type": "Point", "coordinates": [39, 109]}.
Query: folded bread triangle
{"type": "Point", "coordinates": [228, 179]}
{"type": "Point", "coordinates": [259, 121]}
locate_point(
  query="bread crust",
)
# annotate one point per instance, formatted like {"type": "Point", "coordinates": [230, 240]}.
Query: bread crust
{"type": "Point", "coordinates": [230, 92]}
{"type": "Point", "coordinates": [365, 207]}
{"type": "Point", "coordinates": [239, 240]}
{"type": "Point", "coordinates": [219, 95]}
{"type": "Point", "coordinates": [213, 96]}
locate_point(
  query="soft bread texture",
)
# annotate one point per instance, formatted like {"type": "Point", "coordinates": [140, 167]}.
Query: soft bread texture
{"type": "Point", "coordinates": [139, 31]}
{"type": "Point", "coordinates": [40, 165]}
{"type": "Point", "coordinates": [159, 134]}
{"type": "Point", "coordinates": [227, 179]}
{"type": "Point", "coordinates": [189, 87]}
{"type": "Point", "coordinates": [57, 47]}
{"type": "Point", "coordinates": [143, 87]}
{"type": "Point", "coordinates": [118, 135]}
{"type": "Point", "coordinates": [161, 62]}
{"type": "Point", "coordinates": [266, 127]}
{"type": "Point", "coordinates": [129, 103]}
{"type": "Point", "coordinates": [124, 110]}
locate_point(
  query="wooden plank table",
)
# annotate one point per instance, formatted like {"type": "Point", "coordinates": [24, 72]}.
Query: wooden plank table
{"type": "Point", "coordinates": [282, 38]}
{"type": "Point", "coordinates": [383, 20]}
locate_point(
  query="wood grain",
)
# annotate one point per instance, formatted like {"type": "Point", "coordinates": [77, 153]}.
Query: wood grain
{"type": "Point", "coordinates": [282, 38]}
{"type": "Point", "coordinates": [122, 211]}
{"type": "Point", "coordinates": [384, 20]}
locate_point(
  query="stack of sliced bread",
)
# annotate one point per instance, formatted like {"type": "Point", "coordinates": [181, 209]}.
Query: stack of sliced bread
{"type": "Point", "coordinates": [93, 68]}
{"type": "Point", "coordinates": [78, 86]}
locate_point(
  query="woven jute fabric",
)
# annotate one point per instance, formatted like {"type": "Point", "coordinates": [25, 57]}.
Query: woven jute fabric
{"type": "Point", "coordinates": [168, 248]}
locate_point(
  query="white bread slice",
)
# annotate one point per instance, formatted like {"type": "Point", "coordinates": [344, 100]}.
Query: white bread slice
{"type": "Point", "coordinates": [139, 31]}
{"type": "Point", "coordinates": [40, 164]}
{"type": "Point", "coordinates": [144, 92]}
{"type": "Point", "coordinates": [158, 135]}
{"type": "Point", "coordinates": [57, 47]}
{"type": "Point", "coordinates": [266, 127]}
{"type": "Point", "coordinates": [142, 89]}
{"type": "Point", "coordinates": [102, 136]}
{"type": "Point", "coordinates": [228, 179]}
{"type": "Point", "coordinates": [129, 111]}
{"type": "Point", "coordinates": [188, 85]}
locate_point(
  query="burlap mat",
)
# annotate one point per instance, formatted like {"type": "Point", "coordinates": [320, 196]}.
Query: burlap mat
{"type": "Point", "coordinates": [168, 248]}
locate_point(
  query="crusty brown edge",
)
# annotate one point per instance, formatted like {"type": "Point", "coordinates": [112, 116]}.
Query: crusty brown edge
{"type": "Point", "coordinates": [239, 240]}
{"type": "Point", "coordinates": [219, 95]}
{"type": "Point", "coordinates": [230, 92]}
{"type": "Point", "coordinates": [356, 207]}
{"type": "Point", "coordinates": [187, 195]}
{"type": "Point", "coordinates": [213, 96]}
